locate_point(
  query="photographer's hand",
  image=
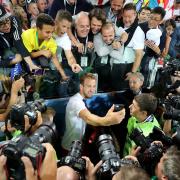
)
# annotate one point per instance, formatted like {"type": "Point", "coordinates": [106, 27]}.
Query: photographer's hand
{"type": "Point", "coordinates": [91, 170]}
{"type": "Point", "coordinates": [31, 174]}
{"type": "Point", "coordinates": [48, 170]}
{"type": "Point", "coordinates": [3, 175]}
{"type": "Point", "coordinates": [39, 121]}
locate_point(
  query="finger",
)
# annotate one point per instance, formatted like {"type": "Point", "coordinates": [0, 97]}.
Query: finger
{"type": "Point", "coordinates": [97, 167]}
{"type": "Point", "coordinates": [111, 109]}
{"type": "Point", "coordinates": [30, 172]}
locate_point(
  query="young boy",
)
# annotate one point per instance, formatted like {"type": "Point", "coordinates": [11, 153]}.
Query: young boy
{"type": "Point", "coordinates": [63, 24]}
{"type": "Point", "coordinates": [39, 42]}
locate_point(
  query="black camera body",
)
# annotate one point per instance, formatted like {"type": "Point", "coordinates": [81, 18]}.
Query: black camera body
{"type": "Point", "coordinates": [140, 140]}
{"type": "Point", "coordinates": [118, 107]}
{"type": "Point", "coordinates": [30, 147]}
{"type": "Point", "coordinates": [171, 67]}
{"type": "Point", "coordinates": [73, 159]}
{"type": "Point", "coordinates": [172, 107]}
{"type": "Point", "coordinates": [18, 147]}
{"type": "Point", "coordinates": [30, 109]}
{"type": "Point", "coordinates": [111, 160]}
{"type": "Point", "coordinates": [149, 154]}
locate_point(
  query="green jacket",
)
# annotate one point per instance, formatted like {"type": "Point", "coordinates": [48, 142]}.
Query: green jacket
{"type": "Point", "coordinates": [146, 128]}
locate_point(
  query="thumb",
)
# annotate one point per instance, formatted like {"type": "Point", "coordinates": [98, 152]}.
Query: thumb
{"type": "Point", "coordinates": [111, 109]}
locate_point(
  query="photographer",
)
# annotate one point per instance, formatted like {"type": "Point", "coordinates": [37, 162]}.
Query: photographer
{"type": "Point", "coordinates": [168, 167]}
{"type": "Point", "coordinates": [43, 174]}
{"type": "Point", "coordinates": [16, 87]}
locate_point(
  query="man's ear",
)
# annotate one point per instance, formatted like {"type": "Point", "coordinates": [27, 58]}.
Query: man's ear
{"type": "Point", "coordinates": [144, 113]}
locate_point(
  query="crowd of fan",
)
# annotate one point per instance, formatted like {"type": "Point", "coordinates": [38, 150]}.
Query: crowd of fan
{"type": "Point", "coordinates": [60, 48]}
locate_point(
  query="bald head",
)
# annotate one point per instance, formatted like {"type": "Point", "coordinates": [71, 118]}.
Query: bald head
{"type": "Point", "coordinates": [67, 173]}
{"type": "Point", "coordinates": [82, 24]}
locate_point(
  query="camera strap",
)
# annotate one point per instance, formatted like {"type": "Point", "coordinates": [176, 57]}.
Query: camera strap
{"type": "Point", "coordinates": [7, 132]}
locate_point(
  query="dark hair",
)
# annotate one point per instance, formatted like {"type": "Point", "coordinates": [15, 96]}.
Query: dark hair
{"type": "Point", "coordinates": [145, 8]}
{"type": "Point", "coordinates": [44, 19]}
{"type": "Point", "coordinates": [146, 102]}
{"type": "Point", "coordinates": [170, 22]}
{"type": "Point", "coordinates": [160, 11]}
{"type": "Point", "coordinates": [86, 76]}
{"type": "Point", "coordinates": [99, 14]}
{"type": "Point", "coordinates": [129, 6]}
{"type": "Point", "coordinates": [63, 14]}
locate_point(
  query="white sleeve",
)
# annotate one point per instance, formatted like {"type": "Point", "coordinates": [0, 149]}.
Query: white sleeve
{"type": "Point", "coordinates": [137, 41]}
{"type": "Point", "coordinates": [119, 31]}
{"type": "Point", "coordinates": [64, 43]}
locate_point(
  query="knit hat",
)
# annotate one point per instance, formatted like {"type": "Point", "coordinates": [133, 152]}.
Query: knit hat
{"type": "Point", "coordinates": [3, 14]}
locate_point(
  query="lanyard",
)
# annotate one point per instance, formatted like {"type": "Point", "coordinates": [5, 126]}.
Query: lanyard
{"type": "Point", "coordinates": [65, 1]}
{"type": "Point", "coordinates": [112, 16]}
{"type": "Point", "coordinates": [85, 46]}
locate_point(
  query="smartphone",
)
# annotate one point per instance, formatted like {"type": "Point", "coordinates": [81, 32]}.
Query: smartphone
{"type": "Point", "coordinates": [118, 107]}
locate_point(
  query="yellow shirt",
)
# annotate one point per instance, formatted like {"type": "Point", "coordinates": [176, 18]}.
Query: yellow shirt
{"type": "Point", "coordinates": [30, 40]}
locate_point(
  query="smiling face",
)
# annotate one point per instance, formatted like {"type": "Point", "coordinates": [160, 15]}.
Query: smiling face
{"type": "Point", "coordinates": [62, 27]}
{"type": "Point", "coordinates": [95, 25]}
{"type": "Point", "coordinates": [5, 25]}
{"type": "Point", "coordinates": [108, 35]}
{"type": "Point", "coordinates": [154, 21]}
{"type": "Point", "coordinates": [83, 26]}
{"type": "Point", "coordinates": [129, 17]}
{"type": "Point", "coordinates": [45, 33]}
{"type": "Point", "coordinates": [116, 6]}
{"type": "Point", "coordinates": [88, 88]}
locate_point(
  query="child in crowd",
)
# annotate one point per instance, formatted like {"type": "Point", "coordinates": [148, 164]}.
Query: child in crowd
{"type": "Point", "coordinates": [63, 24]}
{"type": "Point", "coordinates": [170, 26]}
{"type": "Point", "coordinates": [33, 11]}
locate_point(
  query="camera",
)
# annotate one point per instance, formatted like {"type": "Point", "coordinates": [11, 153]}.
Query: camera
{"type": "Point", "coordinates": [111, 160]}
{"type": "Point", "coordinates": [30, 147]}
{"type": "Point", "coordinates": [30, 109]}
{"type": "Point", "coordinates": [28, 79]}
{"type": "Point", "coordinates": [172, 107]}
{"type": "Point", "coordinates": [118, 107]}
{"type": "Point", "coordinates": [158, 135]}
{"type": "Point", "coordinates": [73, 159]}
{"type": "Point", "coordinates": [171, 67]}
{"type": "Point", "coordinates": [140, 140]}
{"type": "Point", "coordinates": [149, 154]}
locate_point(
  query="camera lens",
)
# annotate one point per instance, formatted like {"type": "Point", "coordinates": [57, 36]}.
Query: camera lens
{"type": "Point", "coordinates": [76, 149]}
{"type": "Point", "coordinates": [45, 133]}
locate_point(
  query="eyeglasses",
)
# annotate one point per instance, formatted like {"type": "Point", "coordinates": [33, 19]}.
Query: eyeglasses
{"type": "Point", "coordinates": [6, 21]}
